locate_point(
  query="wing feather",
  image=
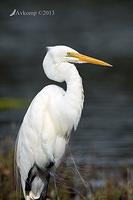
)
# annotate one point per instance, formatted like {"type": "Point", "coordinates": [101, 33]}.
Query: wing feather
{"type": "Point", "coordinates": [36, 137]}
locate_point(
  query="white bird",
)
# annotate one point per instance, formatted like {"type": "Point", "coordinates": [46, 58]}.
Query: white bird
{"type": "Point", "coordinates": [48, 122]}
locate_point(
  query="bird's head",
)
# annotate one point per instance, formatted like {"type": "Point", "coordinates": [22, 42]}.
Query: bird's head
{"type": "Point", "coordinates": [60, 55]}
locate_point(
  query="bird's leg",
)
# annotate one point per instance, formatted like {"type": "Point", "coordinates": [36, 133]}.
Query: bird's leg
{"type": "Point", "coordinates": [44, 192]}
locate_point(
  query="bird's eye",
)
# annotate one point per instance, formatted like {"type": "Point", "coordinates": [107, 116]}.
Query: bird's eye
{"type": "Point", "coordinates": [69, 54]}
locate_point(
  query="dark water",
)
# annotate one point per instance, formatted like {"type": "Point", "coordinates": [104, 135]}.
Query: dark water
{"type": "Point", "coordinates": [104, 31]}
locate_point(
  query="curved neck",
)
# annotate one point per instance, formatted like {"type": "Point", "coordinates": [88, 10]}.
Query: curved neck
{"type": "Point", "coordinates": [74, 82]}
{"type": "Point", "coordinates": [75, 95]}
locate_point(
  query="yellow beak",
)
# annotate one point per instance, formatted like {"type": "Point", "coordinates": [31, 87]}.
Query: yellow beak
{"type": "Point", "coordinates": [87, 59]}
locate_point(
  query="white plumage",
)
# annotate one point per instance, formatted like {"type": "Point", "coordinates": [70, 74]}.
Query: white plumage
{"type": "Point", "coordinates": [48, 122]}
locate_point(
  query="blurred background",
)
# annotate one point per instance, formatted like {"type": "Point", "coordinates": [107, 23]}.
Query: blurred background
{"type": "Point", "coordinates": [101, 29]}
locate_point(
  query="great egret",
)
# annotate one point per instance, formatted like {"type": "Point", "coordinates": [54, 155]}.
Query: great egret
{"type": "Point", "coordinates": [48, 122]}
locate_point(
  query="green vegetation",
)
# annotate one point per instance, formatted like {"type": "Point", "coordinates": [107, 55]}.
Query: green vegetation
{"type": "Point", "coordinates": [8, 103]}
{"type": "Point", "coordinates": [68, 182]}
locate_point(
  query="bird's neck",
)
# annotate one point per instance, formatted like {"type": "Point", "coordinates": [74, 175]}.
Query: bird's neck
{"type": "Point", "coordinates": [74, 83]}
{"type": "Point", "coordinates": [74, 94]}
